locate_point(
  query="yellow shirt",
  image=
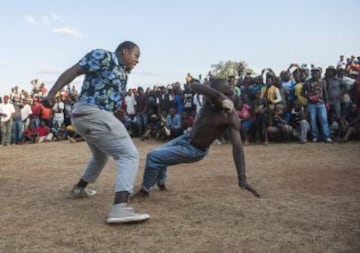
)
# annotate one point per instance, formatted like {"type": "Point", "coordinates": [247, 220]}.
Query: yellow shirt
{"type": "Point", "coordinates": [297, 92]}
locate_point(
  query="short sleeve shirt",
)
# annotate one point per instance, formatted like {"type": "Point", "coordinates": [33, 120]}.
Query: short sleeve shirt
{"type": "Point", "coordinates": [105, 80]}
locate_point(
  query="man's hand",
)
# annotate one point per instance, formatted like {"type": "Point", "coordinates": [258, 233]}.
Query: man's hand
{"type": "Point", "coordinates": [246, 186]}
{"type": "Point", "coordinates": [228, 105]}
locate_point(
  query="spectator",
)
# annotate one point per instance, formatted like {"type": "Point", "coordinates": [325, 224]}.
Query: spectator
{"type": "Point", "coordinates": [315, 91]}
{"type": "Point", "coordinates": [7, 111]}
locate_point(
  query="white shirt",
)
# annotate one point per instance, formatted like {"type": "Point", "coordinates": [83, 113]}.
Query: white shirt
{"type": "Point", "coordinates": [26, 111]}
{"type": "Point", "coordinates": [58, 109]}
{"type": "Point", "coordinates": [7, 109]}
{"type": "Point", "coordinates": [130, 104]}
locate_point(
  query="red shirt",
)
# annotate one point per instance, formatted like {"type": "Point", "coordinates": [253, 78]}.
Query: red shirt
{"type": "Point", "coordinates": [43, 131]}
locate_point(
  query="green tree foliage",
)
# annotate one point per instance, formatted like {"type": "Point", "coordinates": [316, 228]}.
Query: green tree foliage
{"type": "Point", "coordinates": [230, 68]}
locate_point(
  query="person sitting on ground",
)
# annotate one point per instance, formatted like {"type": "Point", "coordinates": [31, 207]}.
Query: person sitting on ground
{"type": "Point", "coordinates": [353, 123]}
{"type": "Point", "coordinates": [279, 124]}
{"type": "Point", "coordinates": [215, 117]}
{"type": "Point", "coordinates": [44, 133]}
{"type": "Point", "coordinates": [152, 127]}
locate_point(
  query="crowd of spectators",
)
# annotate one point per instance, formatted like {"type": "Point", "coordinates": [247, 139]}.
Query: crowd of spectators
{"type": "Point", "coordinates": [301, 103]}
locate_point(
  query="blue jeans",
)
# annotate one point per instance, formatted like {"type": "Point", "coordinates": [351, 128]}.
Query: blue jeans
{"type": "Point", "coordinates": [317, 112]}
{"type": "Point", "coordinates": [106, 135]}
{"type": "Point", "coordinates": [17, 132]}
{"type": "Point", "coordinates": [34, 123]}
{"type": "Point", "coordinates": [178, 150]}
{"type": "Point", "coordinates": [142, 122]}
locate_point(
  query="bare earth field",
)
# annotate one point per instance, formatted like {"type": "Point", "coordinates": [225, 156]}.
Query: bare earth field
{"type": "Point", "coordinates": [310, 202]}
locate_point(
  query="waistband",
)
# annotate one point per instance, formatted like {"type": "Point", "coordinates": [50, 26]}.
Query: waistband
{"type": "Point", "coordinates": [194, 144]}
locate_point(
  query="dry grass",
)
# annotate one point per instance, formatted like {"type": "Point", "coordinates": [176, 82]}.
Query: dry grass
{"type": "Point", "coordinates": [310, 202]}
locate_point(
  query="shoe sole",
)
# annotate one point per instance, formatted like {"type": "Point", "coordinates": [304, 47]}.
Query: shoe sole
{"type": "Point", "coordinates": [138, 218]}
{"type": "Point", "coordinates": [89, 193]}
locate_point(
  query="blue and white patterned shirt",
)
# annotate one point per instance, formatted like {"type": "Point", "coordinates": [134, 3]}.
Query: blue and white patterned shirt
{"type": "Point", "coordinates": [105, 80]}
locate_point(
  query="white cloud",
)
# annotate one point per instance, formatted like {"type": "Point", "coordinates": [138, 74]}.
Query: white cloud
{"type": "Point", "coordinates": [31, 20]}
{"type": "Point", "coordinates": [68, 31]}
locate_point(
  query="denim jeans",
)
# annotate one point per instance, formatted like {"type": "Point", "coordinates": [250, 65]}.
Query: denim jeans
{"type": "Point", "coordinates": [35, 123]}
{"type": "Point", "coordinates": [142, 121]}
{"type": "Point", "coordinates": [107, 136]}
{"type": "Point", "coordinates": [318, 113]}
{"type": "Point", "coordinates": [17, 132]}
{"type": "Point", "coordinates": [178, 150]}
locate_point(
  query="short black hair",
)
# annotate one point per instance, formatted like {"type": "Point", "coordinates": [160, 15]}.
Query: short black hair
{"type": "Point", "coordinates": [221, 85]}
{"type": "Point", "coordinates": [126, 45]}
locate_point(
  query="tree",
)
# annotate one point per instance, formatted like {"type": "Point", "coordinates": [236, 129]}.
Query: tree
{"type": "Point", "coordinates": [230, 68]}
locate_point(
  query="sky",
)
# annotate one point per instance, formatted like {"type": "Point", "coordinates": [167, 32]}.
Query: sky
{"type": "Point", "coordinates": [41, 39]}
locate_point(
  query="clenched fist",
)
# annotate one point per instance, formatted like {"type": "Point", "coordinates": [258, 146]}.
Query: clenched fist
{"type": "Point", "coordinates": [228, 105]}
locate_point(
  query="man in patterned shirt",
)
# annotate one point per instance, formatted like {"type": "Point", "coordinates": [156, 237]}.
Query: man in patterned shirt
{"type": "Point", "coordinates": [315, 91]}
{"type": "Point", "coordinates": [93, 118]}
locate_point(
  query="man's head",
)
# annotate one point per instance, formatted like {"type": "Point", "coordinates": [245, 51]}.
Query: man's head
{"type": "Point", "coordinates": [128, 53]}
{"type": "Point", "coordinates": [6, 99]}
{"type": "Point", "coordinates": [140, 90]}
{"type": "Point", "coordinates": [222, 86]}
{"type": "Point", "coordinates": [316, 73]}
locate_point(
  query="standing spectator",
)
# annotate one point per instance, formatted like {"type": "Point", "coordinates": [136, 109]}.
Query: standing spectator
{"type": "Point", "coordinates": [341, 64]}
{"type": "Point", "coordinates": [336, 90]}
{"type": "Point", "coordinates": [17, 127]}
{"type": "Point", "coordinates": [141, 111]}
{"type": "Point", "coordinates": [164, 101]}
{"type": "Point", "coordinates": [198, 102]}
{"type": "Point", "coordinates": [46, 115]}
{"type": "Point", "coordinates": [93, 118]}
{"type": "Point", "coordinates": [58, 113]}
{"type": "Point", "coordinates": [300, 77]}
{"type": "Point", "coordinates": [128, 104]}
{"type": "Point", "coordinates": [26, 112]}
{"type": "Point", "coordinates": [7, 111]}
{"type": "Point", "coordinates": [315, 91]}
{"type": "Point", "coordinates": [35, 113]}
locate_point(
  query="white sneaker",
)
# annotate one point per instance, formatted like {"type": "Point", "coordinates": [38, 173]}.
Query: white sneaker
{"type": "Point", "coordinates": [120, 213]}
{"type": "Point", "coordinates": [77, 193]}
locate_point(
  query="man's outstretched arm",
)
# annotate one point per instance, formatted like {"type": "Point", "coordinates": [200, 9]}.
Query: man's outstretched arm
{"type": "Point", "coordinates": [238, 154]}
{"type": "Point", "coordinates": [65, 78]}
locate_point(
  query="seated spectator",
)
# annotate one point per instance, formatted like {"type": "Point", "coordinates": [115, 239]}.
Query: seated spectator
{"type": "Point", "coordinates": [301, 127]}
{"type": "Point", "coordinates": [187, 121]}
{"type": "Point", "coordinates": [280, 123]}
{"type": "Point", "coordinates": [353, 123]}
{"type": "Point", "coordinates": [72, 135]}
{"type": "Point", "coordinates": [152, 127]}
{"type": "Point", "coordinates": [247, 121]}
{"type": "Point", "coordinates": [44, 133]}
{"type": "Point", "coordinates": [30, 135]}
{"type": "Point", "coordinates": [173, 123]}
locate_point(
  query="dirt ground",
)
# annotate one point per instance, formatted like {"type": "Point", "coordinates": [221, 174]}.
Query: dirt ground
{"type": "Point", "coordinates": [310, 202]}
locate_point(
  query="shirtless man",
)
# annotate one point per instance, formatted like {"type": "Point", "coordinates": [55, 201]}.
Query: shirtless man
{"type": "Point", "coordinates": [216, 115]}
